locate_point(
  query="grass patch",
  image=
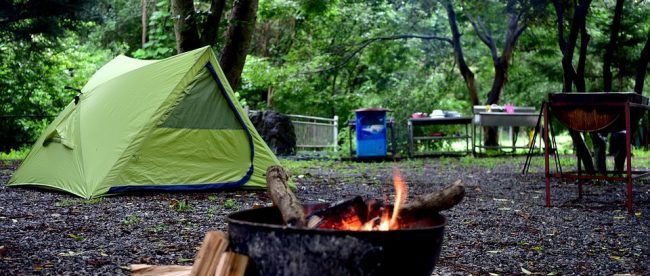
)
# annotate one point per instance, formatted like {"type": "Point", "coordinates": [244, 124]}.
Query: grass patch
{"type": "Point", "coordinates": [641, 159]}
{"type": "Point", "coordinates": [180, 205]}
{"type": "Point", "coordinates": [231, 204]}
{"type": "Point", "coordinates": [211, 212]}
{"type": "Point", "coordinates": [184, 260]}
{"type": "Point", "coordinates": [78, 201]}
{"type": "Point", "coordinates": [160, 227]}
{"type": "Point", "coordinates": [76, 237]}
{"type": "Point", "coordinates": [131, 219]}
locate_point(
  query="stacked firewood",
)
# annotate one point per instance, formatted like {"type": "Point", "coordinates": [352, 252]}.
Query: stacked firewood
{"type": "Point", "coordinates": [211, 260]}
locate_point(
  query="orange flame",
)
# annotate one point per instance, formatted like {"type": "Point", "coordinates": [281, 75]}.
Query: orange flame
{"type": "Point", "coordinates": [401, 193]}
{"type": "Point", "coordinates": [387, 221]}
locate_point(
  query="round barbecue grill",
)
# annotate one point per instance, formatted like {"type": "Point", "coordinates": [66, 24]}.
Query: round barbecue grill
{"type": "Point", "coordinates": [596, 112]}
{"type": "Point", "coordinates": [279, 250]}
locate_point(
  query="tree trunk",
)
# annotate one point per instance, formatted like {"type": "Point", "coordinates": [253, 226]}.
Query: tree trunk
{"type": "Point", "coordinates": [187, 35]}
{"type": "Point", "coordinates": [211, 28]}
{"type": "Point", "coordinates": [145, 22]}
{"type": "Point", "coordinates": [465, 71]}
{"type": "Point", "coordinates": [567, 47]}
{"type": "Point", "coordinates": [501, 63]}
{"type": "Point", "coordinates": [500, 71]}
{"type": "Point", "coordinates": [642, 67]}
{"type": "Point", "coordinates": [579, 78]}
{"type": "Point", "coordinates": [238, 39]}
{"type": "Point", "coordinates": [609, 50]}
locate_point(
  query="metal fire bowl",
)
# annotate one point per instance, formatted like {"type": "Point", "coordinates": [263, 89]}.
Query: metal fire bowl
{"type": "Point", "coordinates": [602, 112]}
{"type": "Point", "coordinates": [279, 250]}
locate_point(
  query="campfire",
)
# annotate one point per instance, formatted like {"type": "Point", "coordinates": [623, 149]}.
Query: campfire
{"type": "Point", "coordinates": [350, 237]}
{"type": "Point", "coordinates": [357, 215]}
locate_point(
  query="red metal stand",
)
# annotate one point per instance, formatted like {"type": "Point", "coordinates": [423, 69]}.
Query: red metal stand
{"type": "Point", "coordinates": [610, 175]}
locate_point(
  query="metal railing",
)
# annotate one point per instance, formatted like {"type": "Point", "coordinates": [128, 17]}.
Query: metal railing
{"type": "Point", "coordinates": [315, 132]}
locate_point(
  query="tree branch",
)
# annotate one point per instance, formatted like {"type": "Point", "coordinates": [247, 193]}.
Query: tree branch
{"type": "Point", "coordinates": [465, 71]}
{"type": "Point", "coordinates": [484, 36]}
{"type": "Point", "coordinates": [642, 66]}
{"type": "Point", "coordinates": [611, 46]}
{"type": "Point", "coordinates": [369, 41]}
{"type": "Point", "coordinates": [211, 27]}
{"type": "Point", "coordinates": [560, 25]}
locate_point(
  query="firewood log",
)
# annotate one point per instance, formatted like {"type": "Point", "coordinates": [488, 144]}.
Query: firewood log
{"type": "Point", "coordinates": [340, 213]}
{"type": "Point", "coordinates": [159, 270]}
{"type": "Point", "coordinates": [282, 196]}
{"type": "Point", "coordinates": [351, 211]}
{"type": "Point", "coordinates": [232, 264]}
{"type": "Point", "coordinates": [206, 260]}
{"type": "Point", "coordinates": [437, 201]}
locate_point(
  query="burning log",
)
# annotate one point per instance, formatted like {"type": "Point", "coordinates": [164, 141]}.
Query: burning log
{"type": "Point", "coordinates": [437, 201]}
{"type": "Point", "coordinates": [283, 197]}
{"type": "Point", "coordinates": [340, 215]}
{"type": "Point", "coordinates": [355, 214]}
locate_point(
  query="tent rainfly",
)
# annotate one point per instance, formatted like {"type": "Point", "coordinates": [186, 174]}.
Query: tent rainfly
{"type": "Point", "coordinates": [167, 125]}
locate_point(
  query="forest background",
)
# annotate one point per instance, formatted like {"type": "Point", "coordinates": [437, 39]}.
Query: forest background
{"type": "Point", "coordinates": [326, 58]}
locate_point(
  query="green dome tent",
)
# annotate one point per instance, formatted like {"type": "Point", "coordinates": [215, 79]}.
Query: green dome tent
{"type": "Point", "coordinates": [172, 125]}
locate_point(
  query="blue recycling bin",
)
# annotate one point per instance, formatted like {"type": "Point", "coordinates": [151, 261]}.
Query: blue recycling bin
{"type": "Point", "coordinates": [371, 132]}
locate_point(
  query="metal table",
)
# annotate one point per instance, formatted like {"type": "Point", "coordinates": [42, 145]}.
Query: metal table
{"type": "Point", "coordinates": [522, 117]}
{"type": "Point", "coordinates": [415, 122]}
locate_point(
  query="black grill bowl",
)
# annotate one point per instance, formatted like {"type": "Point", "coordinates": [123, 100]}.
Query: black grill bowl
{"type": "Point", "coordinates": [278, 250]}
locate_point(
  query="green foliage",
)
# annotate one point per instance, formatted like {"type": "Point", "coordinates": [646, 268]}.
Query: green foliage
{"type": "Point", "coordinates": [23, 20]}
{"type": "Point", "coordinates": [180, 205]}
{"type": "Point", "coordinates": [311, 57]}
{"type": "Point", "coordinates": [184, 260]}
{"type": "Point", "coordinates": [15, 154]}
{"type": "Point", "coordinates": [161, 43]}
{"type": "Point", "coordinates": [76, 237]}
{"type": "Point", "coordinates": [32, 81]}
{"type": "Point", "coordinates": [158, 228]}
{"type": "Point", "coordinates": [231, 204]}
{"type": "Point", "coordinates": [211, 212]}
{"type": "Point", "coordinates": [131, 220]}
{"type": "Point", "coordinates": [78, 201]}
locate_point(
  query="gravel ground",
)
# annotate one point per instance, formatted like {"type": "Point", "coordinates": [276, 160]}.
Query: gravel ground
{"type": "Point", "coordinates": [501, 227]}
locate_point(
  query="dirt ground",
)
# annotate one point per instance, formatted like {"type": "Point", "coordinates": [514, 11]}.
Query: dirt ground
{"type": "Point", "coordinates": [501, 227]}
